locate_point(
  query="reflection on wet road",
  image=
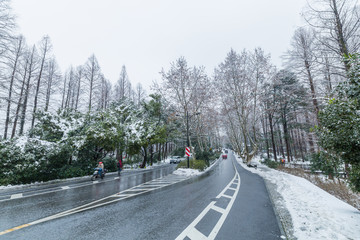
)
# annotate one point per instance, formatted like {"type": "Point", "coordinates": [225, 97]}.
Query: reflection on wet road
{"type": "Point", "coordinates": [31, 204]}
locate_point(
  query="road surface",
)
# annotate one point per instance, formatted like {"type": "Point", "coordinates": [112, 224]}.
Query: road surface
{"type": "Point", "coordinates": [226, 202]}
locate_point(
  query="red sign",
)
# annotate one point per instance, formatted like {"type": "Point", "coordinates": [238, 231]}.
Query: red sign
{"type": "Point", "coordinates": [187, 151]}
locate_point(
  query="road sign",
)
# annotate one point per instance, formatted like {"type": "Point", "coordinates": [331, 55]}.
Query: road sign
{"type": "Point", "coordinates": [187, 151]}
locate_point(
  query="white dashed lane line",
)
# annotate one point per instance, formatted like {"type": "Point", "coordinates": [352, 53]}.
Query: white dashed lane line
{"type": "Point", "coordinates": [131, 192]}
{"type": "Point", "coordinates": [192, 233]}
{"type": "Point", "coordinates": [16, 196]}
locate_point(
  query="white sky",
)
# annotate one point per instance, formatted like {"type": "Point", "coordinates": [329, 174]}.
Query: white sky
{"type": "Point", "coordinates": [147, 35]}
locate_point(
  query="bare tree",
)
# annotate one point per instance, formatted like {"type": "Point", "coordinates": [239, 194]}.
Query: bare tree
{"type": "Point", "coordinates": [7, 25]}
{"type": "Point", "coordinates": [52, 80]}
{"type": "Point", "coordinates": [105, 93]}
{"type": "Point", "coordinates": [123, 85]}
{"type": "Point", "coordinates": [15, 51]}
{"type": "Point", "coordinates": [69, 98]}
{"type": "Point", "coordinates": [79, 77]}
{"type": "Point", "coordinates": [337, 22]}
{"type": "Point", "coordinates": [301, 58]}
{"type": "Point", "coordinates": [92, 75]}
{"type": "Point", "coordinates": [234, 78]}
{"type": "Point", "coordinates": [45, 47]}
{"type": "Point", "coordinates": [29, 73]}
{"type": "Point", "coordinates": [185, 90]}
{"type": "Point", "coordinates": [20, 101]}
{"type": "Point", "coordinates": [140, 94]}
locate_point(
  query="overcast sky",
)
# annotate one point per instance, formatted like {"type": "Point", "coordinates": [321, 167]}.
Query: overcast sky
{"type": "Point", "coordinates": [147, 35]}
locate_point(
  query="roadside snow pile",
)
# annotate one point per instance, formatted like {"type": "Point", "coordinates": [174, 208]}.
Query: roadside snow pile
{"type": "Point", "coordinates": [315, 213]}
{"type": "Point", "coordinates": [187, 172]}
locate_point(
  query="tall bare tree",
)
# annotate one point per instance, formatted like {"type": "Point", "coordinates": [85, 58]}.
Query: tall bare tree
{"type": "Point", "coordinates": [29, 73]}
{"type": "Point", "coordinates": [238, 80]}
{"type": "Point", "coordinates": [45, 48]}
{"type": "Point", "coordinates": [23, 72]}
{"type": "Point", "coordinates": [185, 90]}
{"type": "Point", "coordinates": [140, 94]}
{"type": "Point", "coordinates": [123, 85]}
{"type": "Point", "coordinates": [52, 80]}
{"type": "Point", "coordinates": [79, 78]}
{"type": "Point", "coordinates": [104, 99]}
{"type": "Point", "coordinates": [15, 51]}
{"type": "Point", "coordinates": [7, 26]}
{"type": "Point", "coordinates": [337, 22]}
{"type": "Point", "coordinates": [301, 58]}
{"type": "Point", "coordinates": [92, 73]}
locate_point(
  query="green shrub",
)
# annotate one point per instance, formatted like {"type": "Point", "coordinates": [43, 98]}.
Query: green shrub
{"type": "Point", "coordinates": [325, 162]}
{"type": "Point", "coordinates": [178, 152]}
{"type": "Point", "coordinates": [271, 164]}
{"type": "Point", "coordinates": [110, 163]}
{"type": "Point", "coordinates": [354, 178]}
{"type": "Point", "coordinates": [194, 164]}
{"type": "Point", "coordinates": [69, 171]}
{"type": "Point", "coordinates": [199, 164]}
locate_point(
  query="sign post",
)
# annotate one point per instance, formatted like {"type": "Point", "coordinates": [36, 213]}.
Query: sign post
{"type": "Point", "coordinates": [187, 152]}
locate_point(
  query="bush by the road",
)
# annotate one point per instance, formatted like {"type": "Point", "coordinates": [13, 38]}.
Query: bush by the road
{"type": "Point", "coordinates": [194, 164]}
{"type": "Point", "coordinates": [271, 164]}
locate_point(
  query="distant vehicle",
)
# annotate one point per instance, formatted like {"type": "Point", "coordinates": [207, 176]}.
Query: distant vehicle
{"type": "Point", "coordinates": [226, 151]}
{"type": "Point", "coordinates": [175, 159]}
{"type": "Point", "coordinates": [224, 156]}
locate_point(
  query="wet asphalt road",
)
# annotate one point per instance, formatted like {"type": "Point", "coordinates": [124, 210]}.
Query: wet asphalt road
{"type": "Point", "coordinates": [163, 213]}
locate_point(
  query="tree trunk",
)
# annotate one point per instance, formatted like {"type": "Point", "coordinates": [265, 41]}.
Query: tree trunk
{"type": "Point", "coordinates": [7, 121]}
{"type": "Point", "coordinates": [151, 154]}
{"type": "Point", "coordinates": [286, 136]}
{"type": "Point", "coordinates": [19, 102]}
{"type": "Point", "coordinates": [311, 141]}
{"type": "Point", "coordinates": [49, 85]}
{"type": "Point", "coordinates": [38, 83]}
{"type": "Point", "coordinates": [281, 145]}
{"type": "Point", "coordinates": [272, 136]}
{"type": "Point", "coordinates": [143, 164]}
{"type": "Point", "coordinates": [266, 137]}
{"type": "Point", "coordinates": [340, 36]}
{"type": "Point", "coordinates": [312, 88]}
{"type": "Point", "coordinates": [27, 93]}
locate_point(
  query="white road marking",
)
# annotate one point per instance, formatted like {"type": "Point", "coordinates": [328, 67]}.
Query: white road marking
{"type": "Point", "coordinates": [56, 189]}
{"type": "Point", "coordinates": [65, 187]}
{"type": "Point", "coordinates": [94, 182]}
{"type": "Point", "coordinates": [218, 209]}
{"type": "Point", "coordinates": [194, 234]}
{"type": "Point", "coordinates": [98, 203]}
{"type": "Point", "coordinates": [15, 196]}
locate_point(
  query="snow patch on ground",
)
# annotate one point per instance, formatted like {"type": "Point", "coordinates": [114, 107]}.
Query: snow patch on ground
{"type": "Point", "coordinates": [193, 172]}
{"type": "Point", "coordinates": [187, 172]}
{"type": "Point", "coordinates": [315, 213]}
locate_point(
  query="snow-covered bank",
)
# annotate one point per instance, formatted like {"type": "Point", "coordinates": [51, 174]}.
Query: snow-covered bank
{"type": "Point", "coordinates": [315, 213]}
{"type": "Point", "coordinates": [193, 172]}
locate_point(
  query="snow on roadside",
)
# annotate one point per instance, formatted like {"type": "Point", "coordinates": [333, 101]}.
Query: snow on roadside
{"type": "Point", "coordinates": [192, 172]}
{"type": "Point", "coordinates": [315, 213]}
{"type": "Point", "coordinates": [187, 172]}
